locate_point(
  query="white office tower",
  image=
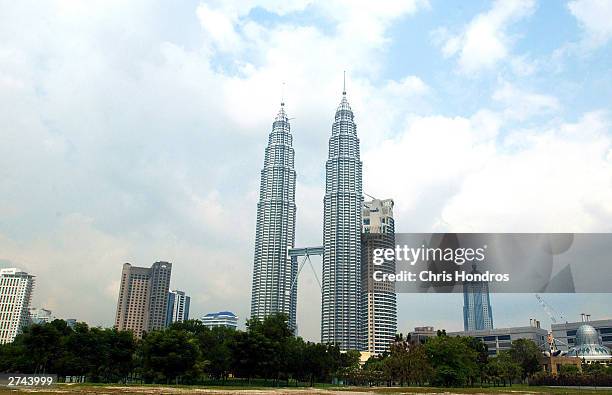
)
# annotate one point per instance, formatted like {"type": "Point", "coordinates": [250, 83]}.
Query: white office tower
{"type": "Point", "coordinates": [340, 310]}
{"type": "Point", "coordinates": [178, 307]}
{"type": "Point", "coordinates": [273, 271]}
{"type": "Point", "coordinates": [379, 307]}
{"type": "Point", "coordinates": [15, 295]}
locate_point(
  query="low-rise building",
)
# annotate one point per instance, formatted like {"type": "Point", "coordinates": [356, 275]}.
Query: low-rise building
{"type": "Point", "coordinates": [38, 315]}
{"type": "Point", "coordinates": [566, 333]}
{"type": "Point", "coordinates": [222, 318]}
{"type": "Point", "coordinates": [421, 334]}
{"type": "Point", "coordinates": [501, 339]}
{"type": "Point", "coordinates": [552, 364]}
{"type": "Point", "coordinates": [588, 347]}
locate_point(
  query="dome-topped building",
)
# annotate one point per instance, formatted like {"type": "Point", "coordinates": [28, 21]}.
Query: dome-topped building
{"type": "Point", "coordinates": [588, 346]}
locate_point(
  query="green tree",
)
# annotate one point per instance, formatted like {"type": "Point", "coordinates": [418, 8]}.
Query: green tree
{"type": "Point", "coordinates": [349, 364]}
{"type": "Point", "coordinates": [453, 361]}
{"type": "Point", "coordinates": [263, 349]}
{"type": "Point", "coordinates": [374, 369]}
{"type": "Point", "coordinates": [569, 370]}
{"type": "Point", "coordinates": [215, 344]}
{"type": "Point", "coordinates": [528, 355]}
{"type": "Point", "coordinates": [116, 361]}
{"type": "Point", "coordinates": [397, 366]}
{"type": "Point", "coordinates": [503, 369]}
{"type": "Point", "coordinates": [420, 369]}
{"type": "Point", "coordinates": [168, 355]}
{"type": "Point", "coordinates": [482, 358]}
{"type": "Point", "coordinates": [41, 346]}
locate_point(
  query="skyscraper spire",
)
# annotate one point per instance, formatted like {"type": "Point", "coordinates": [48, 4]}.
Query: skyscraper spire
{"type": "Point", "coordinates": [344, 83]}
{"type": "Point", "coordinates": [283, 94]}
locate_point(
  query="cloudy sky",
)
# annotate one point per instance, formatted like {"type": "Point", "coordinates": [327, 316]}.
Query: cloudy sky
{"type": "Point", "coordinates": [135, 131]}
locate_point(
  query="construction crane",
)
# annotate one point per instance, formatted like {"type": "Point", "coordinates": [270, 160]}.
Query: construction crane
{"type": "Point", "coordinates": [553, 350]}
{"type": "Point", "coordinates": [551, 341]}
{"type": "Point", "coordinates": [549, 310]}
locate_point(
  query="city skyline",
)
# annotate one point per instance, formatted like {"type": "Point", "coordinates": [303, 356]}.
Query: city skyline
{"type": "Point", "coordinates": [136, 139]}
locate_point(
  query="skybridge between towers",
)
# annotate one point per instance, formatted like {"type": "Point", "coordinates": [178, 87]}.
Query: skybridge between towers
{"type": "Point", "coordinates": [296, 269]}
{"type": "Point", "coordinates": [306, 253]}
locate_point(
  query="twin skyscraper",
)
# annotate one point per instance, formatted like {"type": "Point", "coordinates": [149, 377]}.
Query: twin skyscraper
{"type": "Point", "coordinates": [343, 314]}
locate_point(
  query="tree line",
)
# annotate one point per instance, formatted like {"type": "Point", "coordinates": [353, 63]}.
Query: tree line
{"type": "Point", "coordinates": [596, 374]}
{"type": "Point", "coordinates": [450, 361]}
{"type": "Point", "coordinates": [190, 353]}
{"type": "Point", "coordinates": [185, 353]}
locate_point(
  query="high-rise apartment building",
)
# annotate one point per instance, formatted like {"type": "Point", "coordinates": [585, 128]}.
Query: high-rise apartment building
{"type": "Point", "coordinates": [379, 307]}
{"type": "Point", "coordinates": [477, 312]}
{"type": "Point", "coordinates": [178, 307]}
{"type": "Point", "coordinates": [16, 288]}
{"type": "Point", "coordinates": [273, 271]}
{"type": "Point", "coordinates": [341, 319]}
{"type": "Point", "coordinates": [143, 298]}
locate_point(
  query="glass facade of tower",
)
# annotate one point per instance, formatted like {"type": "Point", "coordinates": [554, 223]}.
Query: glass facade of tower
{"type": "Point", "coordinates": [273, 271]}
{"type": "Point", "coordinates": [477, 313]}
{"type": "Point", "coordinates": [341, 318]}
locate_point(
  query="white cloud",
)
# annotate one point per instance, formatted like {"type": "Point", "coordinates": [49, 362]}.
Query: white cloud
{"type": "Point", "coordinates": [558, 180]}
{"type": "Point", "coordinates": [425, 164]}
{"type": "Point", "coordinates": [594, 18]}
{"type": "Point", "coordinates": [523, 66]}
{"type": "Point", "coordinates": [447, 174]}
{"type": "Point", "coordinates": [220, 28]}
{"type": "Point", "coordinates": [407, 86]}
{"type": "Point", "coordinates": [485, 40]}
{"type": "Point", "coordinates": [521, 105]}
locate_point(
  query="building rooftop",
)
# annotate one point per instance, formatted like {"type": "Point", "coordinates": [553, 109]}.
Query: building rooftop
{"type": "Point", "coordinates": [588, 345]}
{"type": "Point", "coordinates": [228, 313]}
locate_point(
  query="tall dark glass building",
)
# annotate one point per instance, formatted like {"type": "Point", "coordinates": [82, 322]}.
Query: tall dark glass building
{"type": "Point", "coordinates": [477, 312]}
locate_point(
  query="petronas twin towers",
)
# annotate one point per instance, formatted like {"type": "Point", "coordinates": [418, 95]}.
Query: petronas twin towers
{"type": "Point", "coordinates": [340, 308]}
{"type": "Point", "coordinates": [274, 272]}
